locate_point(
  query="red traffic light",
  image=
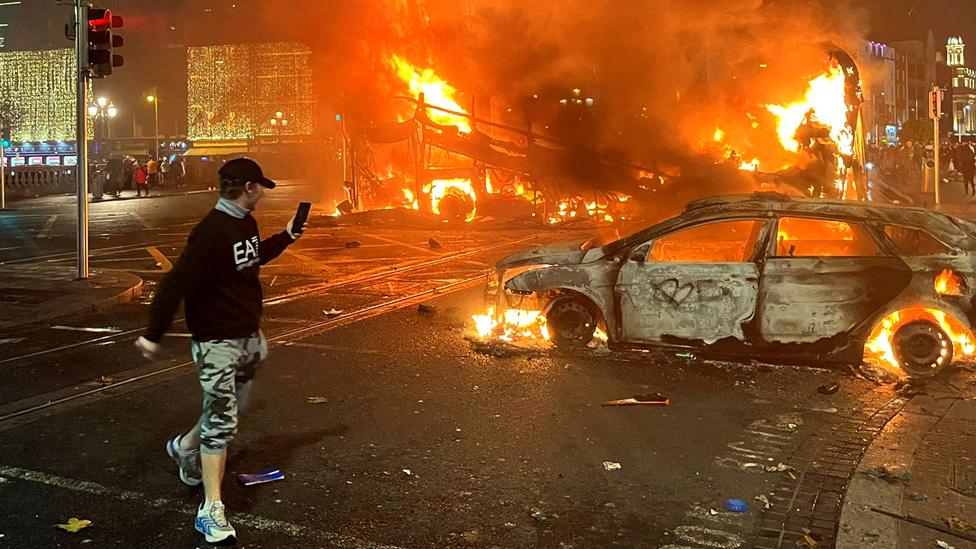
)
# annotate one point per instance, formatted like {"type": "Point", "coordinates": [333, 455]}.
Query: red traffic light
{"type": "Point", "coordinates": [100, 19]}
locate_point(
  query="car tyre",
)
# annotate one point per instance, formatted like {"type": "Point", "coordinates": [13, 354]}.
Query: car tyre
{"type": "Point", "coordinates": [571, 323]}
{"type": "Point", "coordinates": [922, 348]}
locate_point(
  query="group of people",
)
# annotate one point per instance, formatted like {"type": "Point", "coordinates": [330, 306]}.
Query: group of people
{"type": "Point", "coordinates": [961, 158]}
{"type": "Point", "coordinates": [158, 174]}
{"type": "Point", "coordinates": [904, 163]}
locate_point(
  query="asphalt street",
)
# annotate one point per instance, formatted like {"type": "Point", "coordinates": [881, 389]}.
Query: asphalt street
{"type": "Point", "coordinates": [391, 427]}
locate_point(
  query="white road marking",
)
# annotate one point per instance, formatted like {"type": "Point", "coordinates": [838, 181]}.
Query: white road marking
{"type": "Point", "coordinates": [161, 259]}
{"type": "Point", "coordinates": [48, 225]}
{"type": "Point", "coordinates": [141, 220]}
{"type": "Point", "coordinates": [86, 329]}
{"type": "Point", "coordinates": [245, 519]}
{"type": "Point", "coordinates": [10, 340]}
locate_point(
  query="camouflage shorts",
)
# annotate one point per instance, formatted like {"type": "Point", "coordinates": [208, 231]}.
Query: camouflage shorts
{"type": "Point", "coordinates": [225, 368]}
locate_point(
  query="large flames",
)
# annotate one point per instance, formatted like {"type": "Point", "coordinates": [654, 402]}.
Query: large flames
{"type": "Point", "coordinates": [436, 92]}
{"type": "Point", "coordinates": [512, 325]}
{"type": "Point", "coordinates": [879, 345]}
{"type": "Point", "coordinates": [824, 102]}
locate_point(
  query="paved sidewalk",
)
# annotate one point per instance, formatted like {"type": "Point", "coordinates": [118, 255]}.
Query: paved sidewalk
{"type": "Point", "coordinates": [922, 468]}
{"type": "Point", "coordinates": [38, 293]}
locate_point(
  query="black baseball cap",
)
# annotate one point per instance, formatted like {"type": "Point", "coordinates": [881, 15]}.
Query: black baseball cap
{"type": "Point", "coordinates": [243, 170]}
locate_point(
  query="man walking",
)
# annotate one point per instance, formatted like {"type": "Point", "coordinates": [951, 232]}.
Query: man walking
{"type": "Point", "coordinates": [217, 278]}
{"type": "Point", "coordinates": [152, 173]}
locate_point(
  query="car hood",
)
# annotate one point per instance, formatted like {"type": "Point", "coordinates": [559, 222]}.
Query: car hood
{"type": "Point", "coordinates": [557, 253]}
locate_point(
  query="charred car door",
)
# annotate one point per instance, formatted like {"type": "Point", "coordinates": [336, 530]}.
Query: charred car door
{"type": "Point", "coordinates": [821, 278]}
{"type": "Point", "coordinates": [695, 283]}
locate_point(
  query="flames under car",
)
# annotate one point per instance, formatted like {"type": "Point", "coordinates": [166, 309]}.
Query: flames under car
{"type": "Point", "coordinates": [766, 276]}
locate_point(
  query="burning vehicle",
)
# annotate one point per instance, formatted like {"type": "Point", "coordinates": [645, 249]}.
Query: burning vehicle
{"type": "Point", "coordinates": [764, 275]}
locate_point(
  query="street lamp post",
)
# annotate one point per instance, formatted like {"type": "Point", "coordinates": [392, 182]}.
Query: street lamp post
{"type": "Point", "coordinates": [278, 123]}
{"type": "Point", "coordinates": [155, 101]}
{"type": "Point", "coordinates": [106, 110]}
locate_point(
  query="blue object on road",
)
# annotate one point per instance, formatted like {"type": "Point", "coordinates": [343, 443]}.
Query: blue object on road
{"type": "Point", "coordinates": [736, 506]}
{"type": "Point", "coordinates": [267, 475]}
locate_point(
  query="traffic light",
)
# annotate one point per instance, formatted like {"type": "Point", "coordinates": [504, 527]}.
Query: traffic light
{"type": "Point", "coordinates": [935, 103]}
{"type": "Point", "coordinates": [5, 138]}
{"type": "Point", "coordinates": [101, 41]}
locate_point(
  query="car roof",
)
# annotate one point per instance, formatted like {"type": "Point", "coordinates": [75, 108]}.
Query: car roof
{"type": "Point", "coordinates": [956, 232]}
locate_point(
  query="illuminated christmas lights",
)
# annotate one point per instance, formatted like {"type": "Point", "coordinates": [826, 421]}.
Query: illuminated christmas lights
{"type": "Point", "coordinates": [41, 88]}
{"type": "Point", "coordinates": [233, 91]}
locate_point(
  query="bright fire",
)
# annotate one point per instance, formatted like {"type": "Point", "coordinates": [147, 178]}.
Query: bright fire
{"type": "Point", "coordinates": [879, 344]}
{"type": "Point", "coordinates": [825, 101]}
{"type": "Point", "coordinates": [436, 92]}
{"type": "Point", "coordinates": [512, 324]}
{"type": "Point", "coordinates": [440, 188]}
{"type": "Point", "coordinates": [947, 283]}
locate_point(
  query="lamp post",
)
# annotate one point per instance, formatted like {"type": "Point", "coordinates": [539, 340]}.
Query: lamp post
{"type": "Point", "coordinates": [278, 123]}
{"type": "Point", "coordinates": [106, 110]}
{"type": "Point", "coordinates": [155, 102]}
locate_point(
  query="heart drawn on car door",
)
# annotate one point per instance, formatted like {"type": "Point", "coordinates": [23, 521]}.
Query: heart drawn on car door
{"type": "Point", "coordinates": [672, 292]}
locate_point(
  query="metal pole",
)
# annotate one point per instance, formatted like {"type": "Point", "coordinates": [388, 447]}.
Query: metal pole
{"type": "Point", "coordinates": [938, 160]}
{"type": "Point", "coordinates": [81, 136]}
{"type": "Point", "coordinates": [156, 114]}
{"type": "Point", "coordinates": [3, 180]}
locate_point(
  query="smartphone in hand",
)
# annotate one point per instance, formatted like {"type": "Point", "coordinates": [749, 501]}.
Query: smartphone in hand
{"type": "Point", "coordinates": [301, 216]}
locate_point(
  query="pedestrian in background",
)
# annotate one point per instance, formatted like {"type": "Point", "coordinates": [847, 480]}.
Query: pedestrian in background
{"type": "Point", "coordinates": [966, 159]}
{"type": "Point", "coordinates": [217, 278]}
{"type": "Point", "coordinates": [152, 173]}
{"type": "Point", "coordinates": [140, 178]}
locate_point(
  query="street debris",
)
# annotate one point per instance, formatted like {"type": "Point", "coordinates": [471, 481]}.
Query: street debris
{"type": "Point", "coordinates": [927, 524]}
{"type": "Point", "coordinates": [353, 244]}
{"type": "Point", "coordinates": [425, 309]}
{"type": "Point", "coordinates": [651, 399]}
{"type": "Point", "coordinates": [102, 381]}
{"type": "Point", "coordinates": [407, 472]}
{"type": "Point", "coordinates": [498, 348]}
{"type": "Point", "coordinates": [890, 473]}
{"type": "Point", "coordinates": [331, 312]}
{"type": "Point", "coordinates": [736, 505]}
{"type": "Point", "coordinates": [944, 545]}
{"type": "Point", "coordinates": [268, 475]}
{"type": "Point", "coordinates": [764, 500]}
{"type": "Point", "coordinates": [959, 524]}
{"type": "Point", "coordinates": [916, 497]}
{"type": "Point", "coordinates": [828, 388]}
{"type": "Point", "coordinates": [317, 400]}
{"type": "Point", "coordinates": [74, 525]}
{"type": "Point", "coordinates": [434, 245]}
{"type": "Point", "coordinates": [611, 465]}
{"type": "Point", "coordinates": [908, 387]}
{"type": "Point", "coordinates": [539, 515]}
{"type": "Point", "coordinates": [806, 542]}
{"type": "Point", "coordinates": [874, 374]}
{"type": "Point", "coordinates": [779, 468]}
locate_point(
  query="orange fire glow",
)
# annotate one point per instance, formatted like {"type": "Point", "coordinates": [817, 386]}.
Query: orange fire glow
{"type": "Point", "coordinates": [512, 325]}
{"type": "Point", "coordinates": [440, 188]}
{"type": "Point", "coordinates": [825, 100]}
{"type": "Point", "coordinates": [947, 283]}
{"type": "Point", "coordinates": [879, 346]}
{"type": "Point", "coordinates": [436, 92]}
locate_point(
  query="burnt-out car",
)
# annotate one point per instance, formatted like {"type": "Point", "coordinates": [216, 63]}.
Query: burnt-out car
{"type": "Point", "coordinates": [765, 276]}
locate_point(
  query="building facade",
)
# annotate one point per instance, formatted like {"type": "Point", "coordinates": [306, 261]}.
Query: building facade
{"type": "Point", "coordinates": [879, 74]}
{"type": "Point", "coordinates": [963, 89]}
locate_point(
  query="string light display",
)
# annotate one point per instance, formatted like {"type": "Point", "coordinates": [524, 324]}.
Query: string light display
{"type": "Point", "coordinates": [41, 88]}
{"type": "Point", "coordinates": [233, 91]}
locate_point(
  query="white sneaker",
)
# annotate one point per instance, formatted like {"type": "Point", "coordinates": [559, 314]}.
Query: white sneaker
{"type": "Point", "coordinates": [212, 523]}
{"type": "Point", "coordinates": [188, 462]}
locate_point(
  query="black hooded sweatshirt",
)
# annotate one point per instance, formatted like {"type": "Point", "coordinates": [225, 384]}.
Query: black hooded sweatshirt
{"type": "Point", "coordinates": [217, 277]}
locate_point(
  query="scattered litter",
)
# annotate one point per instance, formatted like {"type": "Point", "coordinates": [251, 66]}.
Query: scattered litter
{"type": "Point", "coordinates": [778, 468]}
{"type": "Point", "coordinates": [764, 500]}
{"type": "Point", "coordinates": [944, 545]}
{"type": "Point", "coordinates": [824, 410]}
{"type": "Point", "coordinates": [498, 348]}
{"type": "Point", "coordinates": [74, 524]}
{"type": "Point", "coordinates": [407, 472]}
{"type": "Point", "coordinates": [425, 309]}
{"type": "Point", "coordinates": [539, 516]}
{"type": "Point", "coordinates": [916, 497]}
{"type": "Point", "coordinates": [689, 356]}
{"type": "Point", "coordinates": [959, 524]}
{"type": "Point", "coordinates": [806, 542]}
{"type": "Point", "coordinates": [907, 387]}
{"type": "Point", "coordinates": [353, 244]}
{"type": "Point", "coordinates": [268, 475]}
{"type": "Point", "coordinates": [102, 381]}
{"type": "Point", "coordinates": [331, 312]}
{"type": "Point", "coordinates": [434, 245]}
{"type": "Point", "coordinates": [890, 473]}
{"type": "Point", "coordinates": [317, 400]}
{"type": "Point", "coordinates": [712, 512]}
{"type": "Point", "coordinates": [509, 525]}
{"type": "Point", "coordinates": [653, 399]}
{"type": "Point", "coordinates": [736, 505]}
{"type": "Point", "coordinates": [828, 388]}
{"type": "Point", "coordinates": [611, 465]}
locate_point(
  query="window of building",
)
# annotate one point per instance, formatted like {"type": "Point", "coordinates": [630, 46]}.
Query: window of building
{"type": "Point", "coordinates": [915, 242]}
{"type": "Point", "coordinates": [720, 242]}
{"type": "Point", "coordinates": [804, 237]}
